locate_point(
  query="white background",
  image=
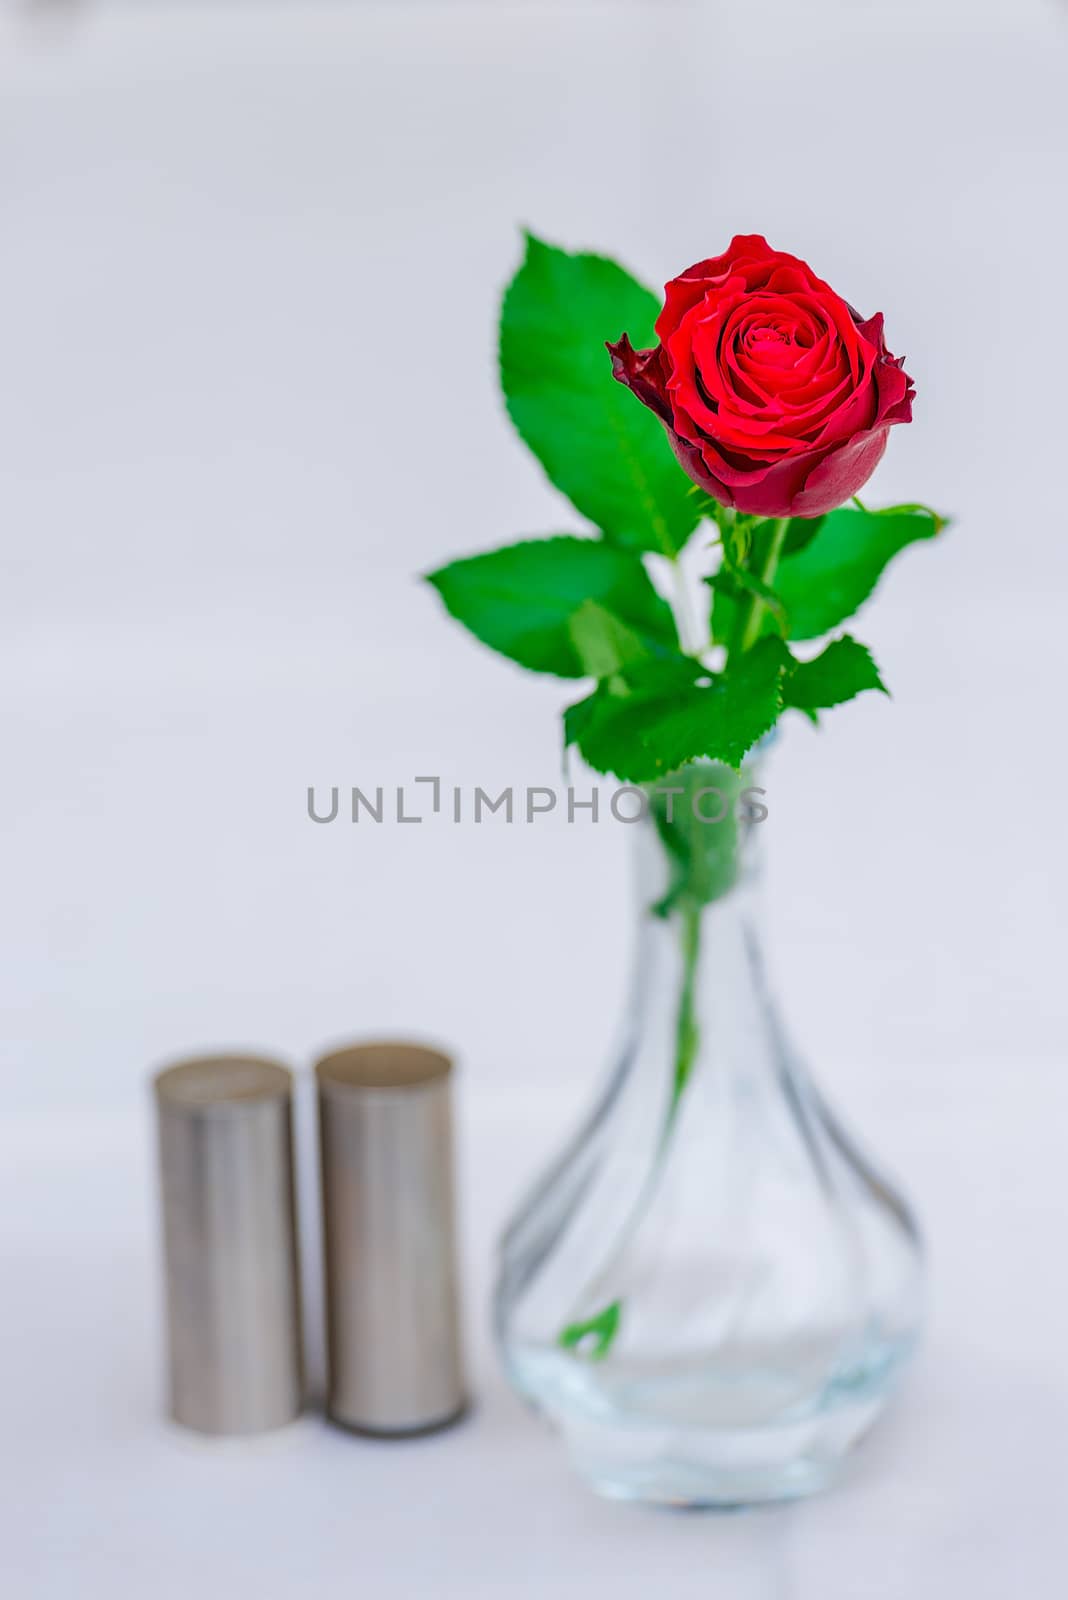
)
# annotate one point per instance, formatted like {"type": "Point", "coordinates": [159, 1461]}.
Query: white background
{"type": "Point", "coordinates": [248, 279]}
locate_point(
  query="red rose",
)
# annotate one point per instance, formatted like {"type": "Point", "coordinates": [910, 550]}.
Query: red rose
{"type": "Point", "coordinates": [776, 396]}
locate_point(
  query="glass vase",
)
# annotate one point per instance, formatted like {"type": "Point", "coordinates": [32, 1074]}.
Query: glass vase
{"type": "Point", "coordinates": [712, 1292]}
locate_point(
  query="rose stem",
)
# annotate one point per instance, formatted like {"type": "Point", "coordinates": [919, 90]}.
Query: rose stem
{"type": "Point", "coordinates": [754, 614]}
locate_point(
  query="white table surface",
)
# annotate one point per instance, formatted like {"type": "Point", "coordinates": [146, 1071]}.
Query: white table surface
{"type": "Point", "coordinates": [239, 243]}
{"type": "Point", "coordinates": [960, 1490]}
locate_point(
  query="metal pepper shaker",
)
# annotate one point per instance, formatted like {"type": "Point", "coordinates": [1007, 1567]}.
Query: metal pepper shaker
{"type": "Point", "coordinates": [230, 1243]}
{"type": "Point", "coordinates": [392, 1299]}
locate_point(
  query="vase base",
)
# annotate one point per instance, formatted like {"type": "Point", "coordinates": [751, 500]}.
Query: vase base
{"type": "Point", "coordinates": [679, 1487]}
{"type": "Point", "coordinates": [722, 1472]}
{"type": "Point", "coordinates": [691, 1444]}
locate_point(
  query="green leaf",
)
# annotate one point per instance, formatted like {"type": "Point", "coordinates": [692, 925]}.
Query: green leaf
{"type": "Point", "coordinates": [841, 671]}
{"type": "Point", "coordinates": [603, 644]}
{"type": "Point", "coordinates": [580, 716]}
{"type": "Point", "coordinates": [700, 843]}
{"type": "Point", "coordinates": [523, 599]}
{"type": "Point", "coordinates": [608, 454]}
{"type": "Point", "coordinates": [826, 580]}
{"type": "Point", "coordinates": [800, 531]}
{"type": "Point", "coordinates": [664, 675]}
{"type": "Point", "coordinates": [595, 1336]}
{"type": "Point", "coordinates": [650, 732]}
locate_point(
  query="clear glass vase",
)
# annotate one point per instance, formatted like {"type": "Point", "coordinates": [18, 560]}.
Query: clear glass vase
{"type": "Point", "coordinates": [712, 1292]}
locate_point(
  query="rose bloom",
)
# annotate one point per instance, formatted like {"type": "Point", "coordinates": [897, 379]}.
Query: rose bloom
{"type": "Point", "coordinates": [776, 395]}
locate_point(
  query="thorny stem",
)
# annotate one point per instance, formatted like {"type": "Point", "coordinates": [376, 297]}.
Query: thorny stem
{"type": "Point", "coordinates": [687, 1036]}
{"type": "Point", "coordinates": [753, 612]}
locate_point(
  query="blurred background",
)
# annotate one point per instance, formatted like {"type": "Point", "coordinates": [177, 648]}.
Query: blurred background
{"type": "Point", "coordinates": [250, 265]}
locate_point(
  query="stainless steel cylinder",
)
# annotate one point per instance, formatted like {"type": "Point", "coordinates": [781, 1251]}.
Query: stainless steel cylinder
{"type": "Point", "coordinates": [230, 1244]}
{"type": "Point", "coordinates": [392, 1314]}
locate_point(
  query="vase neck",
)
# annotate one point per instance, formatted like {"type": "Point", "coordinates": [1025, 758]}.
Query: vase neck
{"type": "Point", "coordinates": [700, 1004]}
{"type": "Point", "coordinates": [699, 849]}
